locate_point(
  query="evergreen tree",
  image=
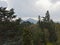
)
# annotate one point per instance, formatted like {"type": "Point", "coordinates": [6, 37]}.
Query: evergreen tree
{"type": "Point", "coordinates": [47, 16]}
{"type": "Point", "coordinates": [6, 15]}
{"type": "Point", "coordinates": [39, 20]}
{"type": "Point", "coordinates": [52, 32]}
{"type": "Point", "coordinates": [8, 27]}
{"type": "Point", "coordinates": [27, 35]}
{"type": "Point", "coordinates": [42, 36]}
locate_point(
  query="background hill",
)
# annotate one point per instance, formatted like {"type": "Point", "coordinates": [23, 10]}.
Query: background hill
{"type": "Point", "coordinates": [31, 20]}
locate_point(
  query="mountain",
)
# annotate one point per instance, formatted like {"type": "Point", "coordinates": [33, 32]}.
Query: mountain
{"type": "Point", "coordinates": [31, 20]}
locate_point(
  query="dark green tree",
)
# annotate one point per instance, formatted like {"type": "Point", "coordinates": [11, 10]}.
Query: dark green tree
{"type": "Point", "coordinates": [6, 15]}
{"type": "Point", "coordinates": [9, 28]}
{"type": "Point", "coordinates": [52, 33]}
{"type": "Point", "coordinates": [27, 34]}
{"type": "Point", "coordinates": [42, 34]}
{"type": "Point", "coordinates": [47, 17]}
{"type": "Point", "coordinates": [47, 23]}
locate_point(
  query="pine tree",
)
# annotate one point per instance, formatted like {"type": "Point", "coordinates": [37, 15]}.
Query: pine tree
{"type": "Point", "coordinates": [42, 36]}
{"type": "Point", "coordinates": [27, 35]}
{"type": "Point", "coordinates": [47, 16]}
{"type": "Point", "coordinates": [52, 32]}
{"type": "Point", "coordinates": [8, 27]}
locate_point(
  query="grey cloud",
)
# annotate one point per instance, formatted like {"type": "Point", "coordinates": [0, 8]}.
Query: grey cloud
{"type": "Point", "coordinates": [3, 4]}
{"type": "Point", "coordinates": [55, 15]}
{"type": "Point", "coordinates": [26, 8]}
{"type": "Point", "coordinates": [54, 1]}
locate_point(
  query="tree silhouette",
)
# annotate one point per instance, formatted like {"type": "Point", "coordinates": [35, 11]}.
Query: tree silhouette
{"type": "Point", "coordinates": [47, 23]}
{"type": "Point", "coordinates": [9, 29]}
{"type": "Point", "coordinates": [27, 34]}
{"type": "Point", "coordinates": [6, 15]}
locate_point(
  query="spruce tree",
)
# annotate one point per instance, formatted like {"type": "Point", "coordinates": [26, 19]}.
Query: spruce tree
{"type": "Point", "coordinates": [8, 27]}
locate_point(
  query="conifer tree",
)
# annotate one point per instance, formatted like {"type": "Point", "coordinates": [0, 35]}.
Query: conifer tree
{"type": "Point", "coordinates": [8, 27]}
{"type": "Point", "coordinates": [27, 35]}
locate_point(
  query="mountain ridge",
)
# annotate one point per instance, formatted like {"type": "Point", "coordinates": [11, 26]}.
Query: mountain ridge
{"type": "Point", "coordinates": [31, 20]}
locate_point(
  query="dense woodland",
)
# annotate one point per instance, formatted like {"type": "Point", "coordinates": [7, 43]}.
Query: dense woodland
{"type": "Point", "coordinates": [16, 32]}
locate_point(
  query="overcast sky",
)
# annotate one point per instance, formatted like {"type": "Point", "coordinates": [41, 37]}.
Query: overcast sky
{"type": "Point", "coordinates": [33, 8]}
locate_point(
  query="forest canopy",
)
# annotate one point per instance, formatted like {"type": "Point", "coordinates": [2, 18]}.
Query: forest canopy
{"type": "Point", "coordinates": [18, 32]}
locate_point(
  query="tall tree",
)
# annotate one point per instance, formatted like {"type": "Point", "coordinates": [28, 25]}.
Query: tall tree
{"type": "Point", "coordinates": [6, 15]}
{"type": "Point", "coordinates": [8, 28]}
{"type": "Point", "coordinates": [27, 34]}
{"type": "Point", "coordinates": [42, 36]}
{"type": "Point", "coordinates": [47, 16]}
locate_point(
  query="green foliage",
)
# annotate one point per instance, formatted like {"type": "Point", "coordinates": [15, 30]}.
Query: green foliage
{"type": "Point", "coordinates": [47, 23]}
{"type": "Point", "coordinates": [27, 34]}
{"type": "Point", "coordinates": [9, 29]}
{"type": "Point", "coordinates": [27, 37]}
{"type": "Point", "coordinates": [49, 43]}
{"type": "Point", "coordinates": [6, 15]}
{"type": "Point", "coordinates": [17, 32]}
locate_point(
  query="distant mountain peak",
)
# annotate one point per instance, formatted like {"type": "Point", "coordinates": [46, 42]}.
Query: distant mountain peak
{"type": "Point", "coordinates": [31, 20]}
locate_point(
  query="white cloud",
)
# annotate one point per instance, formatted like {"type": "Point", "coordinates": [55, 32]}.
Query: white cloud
{"type": "Point", "coordinates": [3, 0]}
{"type": "Point", "coordinates": [44, 4]}
{"type": "Point", "coordinates": [54, 1]}
{"type": "Point", "coordinates": [3, 4]}
{"type": "Point", "coordinates": [33, 8]}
